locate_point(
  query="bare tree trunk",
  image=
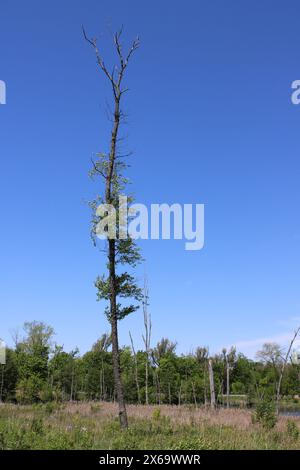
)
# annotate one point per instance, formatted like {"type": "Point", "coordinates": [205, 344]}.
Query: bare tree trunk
{"type": "Point", "coordinates": [157, 387]}
{"type": "Point", "coordinates": [72, 384]}
{"type": "Point", "coordinates": [227, 382]}
{"type": "Point", "coordinates": [115, 343]}
{"type": "Point", "coordinates": [2, 382]}
{"type": "Point", "coordinates": [100, 386]}
{"type": "Point", "coordinates": [179, 395]}
{"type": "Point", "coordinates": [146, 381]}
{"type": "Point", "coordinates": [135, 370]}
{"type": "Point", "coordinates": [194, 395]}
{"type": "Point", "coordinates": [212, 385]}
{"type": "Point", "coordinates": [205, 386]}
{"type": "Point", "coordinates": [146, 337]}
{"type": "Point", "coordinates": [103, 388]}
{"type": "Point", "coordinates": [283, 368]}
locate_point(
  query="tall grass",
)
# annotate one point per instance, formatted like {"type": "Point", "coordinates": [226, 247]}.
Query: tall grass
{"type": "Point", "coordinates": [94, 426]}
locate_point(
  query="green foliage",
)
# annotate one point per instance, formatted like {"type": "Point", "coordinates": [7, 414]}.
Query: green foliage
{"type": "Point", "coordinates": [193, 443]}
{"type": "Point", "coordinates": [37, 425]}
{"type": "Point", "coordinates": [50, 407]}
{"type": "Point", "coordinates": [38, 372]}
{"type": "Point", "coordinates": [9, 376]}
{"type": "Point", "coordinates": [156, 414]}
{"type": "Point", "coordinates": [292, 429]}
{"type": "Point", "coordinates": [125, 287]}
{"type": "Point", "coordinates": [265, 414]}
{"type": "Point", "coordinates": [28, 389]}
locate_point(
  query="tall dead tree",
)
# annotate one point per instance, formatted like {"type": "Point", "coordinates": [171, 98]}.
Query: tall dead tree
{"type": "Point", "coordinates": [135, 370]}
{"type": "Point", "coordinates": [229, 359]}
{"type": "Point", "coordinates": [119, 250]}
{"type": "Point", "coordinates": [2, 381]}
{"type": "Point", "coordinates": [227, 381]}
{"type": "Point", "coordinates": [147, 336]}
{"type": "Point", "coordinates": [211, 385]}
{"type": "Point", "coordinates": [284, 363]}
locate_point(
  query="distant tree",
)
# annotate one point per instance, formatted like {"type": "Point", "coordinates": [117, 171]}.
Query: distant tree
{"type": "Point", "coordinates": [229, 359]}
{"type": "Point", "coordinates": [38, 335]}
{"type": "Point", "coordinates": [32, 355]}
{"type": "Point", "coordinates": [162, 348]}
{"type": "Point", "coordinates": [271, 355]}
{"type": "Point", "coordinates": [201, 355]}
{"type": "Point", "coordinates": [8, 376]}
{"type": "Point", "coordinates": [60, 373]}
{"type": "Point", "coordinates": [103, 343]}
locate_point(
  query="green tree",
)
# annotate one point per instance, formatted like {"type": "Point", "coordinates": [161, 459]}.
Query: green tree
{"type": "Point", "coordinates": [8, 376]}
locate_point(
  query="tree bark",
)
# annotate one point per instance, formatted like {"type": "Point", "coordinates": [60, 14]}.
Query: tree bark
{"type": "Point", "coordinates": [2, 382]}
{"type": "Point", "coordinates": [135, 370]}
{"type": "Point", "coordinates": [194, 395]}
{"type": "Point", "coordinates": [179, 395]}
{"type": "Point", "coordinates": [227, 383]}
{"type": "Point", "coordinates": [114, 337]}
{"type": "Point", "coordinates": [146, 337]}
{"type": "Point", "coordinates": [212, 385]}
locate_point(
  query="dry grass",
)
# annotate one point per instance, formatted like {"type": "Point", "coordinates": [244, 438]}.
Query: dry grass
{"type": "Point", "coordinates": [94, 425]}
{"type": "Point", "coordinates": [182, 415]}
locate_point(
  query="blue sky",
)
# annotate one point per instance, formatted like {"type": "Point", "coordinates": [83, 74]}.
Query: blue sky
{"type": "Point", "coordinates": [210, 121]}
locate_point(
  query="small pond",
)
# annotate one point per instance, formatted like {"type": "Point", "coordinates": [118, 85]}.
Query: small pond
{"type": "Point", "coordinates": [289, 411]}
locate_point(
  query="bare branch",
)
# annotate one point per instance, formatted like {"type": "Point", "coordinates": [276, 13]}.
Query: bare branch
{"type": "Point", "coordinates": [97, 170]}
{"type": "Point", "coordinates": [93, 43]}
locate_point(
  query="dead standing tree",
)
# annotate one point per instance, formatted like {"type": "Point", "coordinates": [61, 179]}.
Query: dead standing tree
{"type": "Point", "coordinates": [147, 336]}
{"type": "Point", "coordinates": [229, 359]}
{"type": "Point", "coordinates": [119, 251]}
{"type": "Point", "coordinates": [284, 363]}
{"type": "Point", "coordinates": [135, 369]}
{"type": "Point", "coordinates": [211, 385]}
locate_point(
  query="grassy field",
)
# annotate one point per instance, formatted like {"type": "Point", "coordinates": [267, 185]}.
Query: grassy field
{"type": "Point", "coordinates": [94, 426]}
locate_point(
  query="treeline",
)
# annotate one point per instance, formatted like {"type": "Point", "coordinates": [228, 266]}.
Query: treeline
{"type": "Point", "coordinates": [37, 370]}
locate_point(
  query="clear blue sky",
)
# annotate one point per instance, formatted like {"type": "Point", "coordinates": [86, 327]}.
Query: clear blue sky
{"type": "Point", "coordinates": [210, 121]}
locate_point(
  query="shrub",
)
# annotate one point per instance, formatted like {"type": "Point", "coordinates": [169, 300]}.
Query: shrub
{"type": "Point", "coordinates": [37, 426]}
{"type": "Point", "coordinates": [292, 429]}
{"type": "Point", "coordinates": [28, 390]}
{"type": "Point", "coordinates": [156, 413]}
{"type": "Point", "coordinates": [265, 414]}
{"type": "Point", "coordinates": [46, 394]}
{"type": "Point", "coordinates": [50, 407]}
{"type": "Point", "coordinates": [2, 441]}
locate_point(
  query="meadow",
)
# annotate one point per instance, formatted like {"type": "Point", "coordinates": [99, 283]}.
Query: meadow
{"type": "Point", "coordinates": [93, 425]}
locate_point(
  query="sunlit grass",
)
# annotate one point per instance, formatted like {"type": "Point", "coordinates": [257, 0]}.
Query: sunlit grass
{"type": "Point", "coordinates": [95, 426]}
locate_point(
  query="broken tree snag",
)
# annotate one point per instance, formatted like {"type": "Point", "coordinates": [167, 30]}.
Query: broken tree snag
{"type": "Point", "coordinates": [211, 385]}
